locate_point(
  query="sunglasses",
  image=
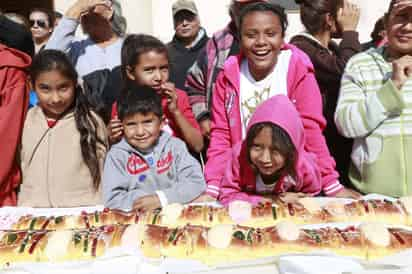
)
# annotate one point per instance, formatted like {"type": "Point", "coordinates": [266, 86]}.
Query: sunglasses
{"type": "Point", "coordinates": [40, 23]}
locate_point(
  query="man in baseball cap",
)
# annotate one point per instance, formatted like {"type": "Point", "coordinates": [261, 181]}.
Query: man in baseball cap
{"type": "Point", "coordinates": [186, 5]}
{"type": "Point", "coordinates": [188, 40]}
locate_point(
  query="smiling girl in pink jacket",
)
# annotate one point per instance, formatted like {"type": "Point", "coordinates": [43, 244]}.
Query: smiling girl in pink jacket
{"type": "Point", "coordinates": [266, 67]}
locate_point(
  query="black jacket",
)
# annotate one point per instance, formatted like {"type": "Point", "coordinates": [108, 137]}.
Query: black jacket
{"type": "Point", "coordinates": [329, 67]}
{"type": "Point", "coordinates": [102, 89]}
{"type": "Point", "coordinates": [16, 36]}
{"type": "Point", "coordinates": [181, 59]}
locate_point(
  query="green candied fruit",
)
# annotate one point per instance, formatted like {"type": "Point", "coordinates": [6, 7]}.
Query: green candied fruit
{"type": "Point", "coordinates": [155, 218]}
{"type": "Point", "coordinates": [249, 235]}
{"type": "Point", "coordinates": [11, 238]}
{"type": "Point", "coordinates": [58, 220]}
{"type": "Point", "coordinates": [25, 242]}
{"type": "Point", "coordinates": [173, 235]}
{"type": "Point", "coordinates": [32, 223]}
{"type": "Point", "coordinates": [86, 243]}
{"type": "Point", "coordinates": [315, 236]}
{"type": "Point", "coordinates": [274, 213]}
{"type": "Point", "coordinates": [77, 238]}
{"type": "Point", "coordinates": [374, 205]}
{"type": "Point", "coordinates": [239, 235]}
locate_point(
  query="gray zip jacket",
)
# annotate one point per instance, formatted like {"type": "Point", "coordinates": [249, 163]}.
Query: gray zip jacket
{"type": "Point", "coordinates": [128, 175]}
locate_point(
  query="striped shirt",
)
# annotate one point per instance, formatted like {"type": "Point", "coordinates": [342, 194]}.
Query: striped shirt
{"type": "Point", "coordinates": [379, 117]}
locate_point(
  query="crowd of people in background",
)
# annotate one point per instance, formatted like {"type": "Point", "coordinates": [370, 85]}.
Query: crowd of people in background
{"type": "Point", "coordinates": [127, 121]}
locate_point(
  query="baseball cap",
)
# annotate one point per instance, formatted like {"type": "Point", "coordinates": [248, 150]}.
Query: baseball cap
{"type": "Point", "coordinates": [180, 5]}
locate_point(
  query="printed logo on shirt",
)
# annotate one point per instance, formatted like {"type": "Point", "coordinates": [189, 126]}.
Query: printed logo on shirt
{"type": "Point", "coordinates": [136, 165]}
{"type": "Point", "coordinates": [150, 160]}
{"type": "Point", "coordinates": [250, 104]}
{"type": "Point", "coordinates": [165, 163]}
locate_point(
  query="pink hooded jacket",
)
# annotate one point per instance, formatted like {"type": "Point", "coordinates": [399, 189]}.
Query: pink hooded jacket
{"type": "Point", "coordinates": [226, 126]}
{"type": "Point", "coordinates": [239, 181]}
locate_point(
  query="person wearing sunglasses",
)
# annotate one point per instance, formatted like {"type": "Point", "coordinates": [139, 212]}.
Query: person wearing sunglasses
{"type": "Point", "coordinates": [41, 27]}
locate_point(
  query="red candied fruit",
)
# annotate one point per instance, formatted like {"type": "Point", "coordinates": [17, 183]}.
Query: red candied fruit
{"type": "Point", "coordinates": [109, 228]}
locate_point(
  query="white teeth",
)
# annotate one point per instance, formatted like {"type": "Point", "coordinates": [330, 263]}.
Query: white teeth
{"type": "Point", "coordinates": [261, 53]}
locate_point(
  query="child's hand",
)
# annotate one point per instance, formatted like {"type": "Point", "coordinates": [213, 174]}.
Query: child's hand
{"type": "Point", "coordinates": [147, 203]}
{"type": "Point", "coordinates": [169, 91]}
{"type": "Point", "coordinates": [291, 197]}
{"type": "Point", "coordinates": [402, 70]}
{"type": "Point", "coordinates": [115, 130]}
{"type": "Point", "coordinates": [205, 128]}
{"type": "Point", "coordinates": [348, 193]}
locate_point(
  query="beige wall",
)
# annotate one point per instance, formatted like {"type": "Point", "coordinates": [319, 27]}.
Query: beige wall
{"type": "Point", "coordinates": [155, 16]}
{"type": "Point", "coordinates": [137, 12]}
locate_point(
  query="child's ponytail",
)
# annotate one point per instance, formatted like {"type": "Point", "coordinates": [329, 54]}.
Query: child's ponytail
{"type": "Point", "coordinates": [87, 125]}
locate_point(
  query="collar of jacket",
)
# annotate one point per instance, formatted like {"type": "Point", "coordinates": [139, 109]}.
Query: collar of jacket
{"type": "Point", "coordinates": [332, 46]}
{"type": "Point", "coordinates": [299, 64]}
{"type": "Point", "coordinates": [157, 148]}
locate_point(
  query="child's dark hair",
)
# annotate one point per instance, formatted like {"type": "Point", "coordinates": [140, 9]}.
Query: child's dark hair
{"type": "Point", "coordinates": [86, 123]}
{"type": "Point", "coordinates": [139, 99]}
{"type": "Point", "coordinates": [313, 13]}
{"type": "Point", "coordinates": [135, 45]}
{"type": "Point", "coordinates": [377, 29]}
{"type": "Point", "coordinates": [262, 7]}
{"type": "Point", "coordinates": [280, 142]}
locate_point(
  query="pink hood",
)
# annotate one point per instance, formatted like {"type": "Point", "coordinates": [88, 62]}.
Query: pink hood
{"type": "Point", "coordinates": [280, 111]}
{"type": "Point", "coordinates": [239, 182]}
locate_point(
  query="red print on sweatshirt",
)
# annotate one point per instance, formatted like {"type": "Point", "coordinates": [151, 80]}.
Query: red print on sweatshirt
{"type": "Point", "coordinates": [164, 164]}
{"type": "Point", "coordinates": [136, 165]}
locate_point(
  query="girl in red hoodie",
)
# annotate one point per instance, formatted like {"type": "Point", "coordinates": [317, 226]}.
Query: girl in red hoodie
{"type": "Point", "coordinates": [271, 160]}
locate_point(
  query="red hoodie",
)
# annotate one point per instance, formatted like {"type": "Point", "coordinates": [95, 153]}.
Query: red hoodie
{"type": "Point", "coordinates": [14, 98]}
{"type": "Point", "coordinates": [239, 181]}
